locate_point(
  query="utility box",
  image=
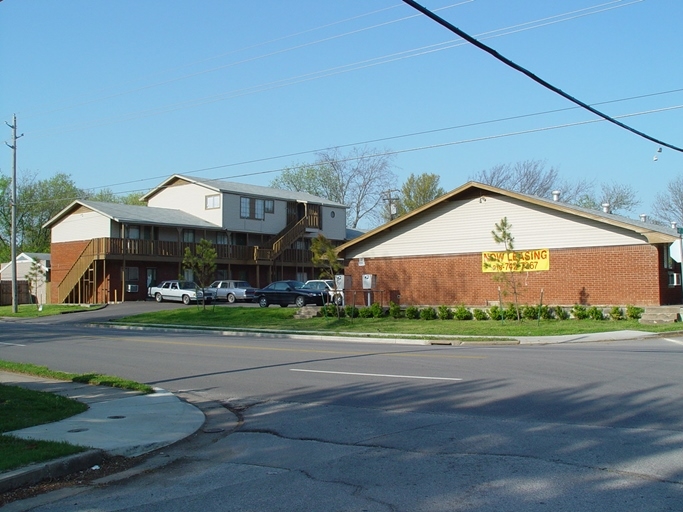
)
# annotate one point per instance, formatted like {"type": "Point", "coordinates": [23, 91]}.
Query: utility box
{"type": "Point", "coordinates": [342, 282]}
{"type": "Point", "coordinates": [369, 281]}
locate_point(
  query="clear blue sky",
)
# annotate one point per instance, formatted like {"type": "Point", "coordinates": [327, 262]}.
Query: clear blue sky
{"type": "Point", "coordinates": [124, 94]}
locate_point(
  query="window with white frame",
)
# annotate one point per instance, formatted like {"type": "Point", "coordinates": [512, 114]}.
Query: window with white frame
{"type": "Point", "coordinates": [212, 202]}
{"type": "Point", "coordinates": [188, 275]}
{"type": "Point", "coordinates": [221, 239]}
{"type": "Point", "coordinates": [270, 206]}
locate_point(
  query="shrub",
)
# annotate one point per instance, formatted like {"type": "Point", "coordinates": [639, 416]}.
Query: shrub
{"type": "Point", "coordinates": [395, 310]}
{"type": "Point", "coordinates": [412, 313]}
{"type": "Point", "coordinates": [495, 313]}
{"type": "Point", "coordinates": [331, 310]}
{"type": "Point", "coordinates": [634, 312]}
{"type": "Point", "coordinates": [428, 313]}
{"type": "Point", "coordinates": [377, 310]}
{"type": "Point", "coordinates": [351, 311]}
{"type": "Point", "coordinates": [462, 313]}
{"type": "Point", "coordinates": [530, 312]}
{"type": "Point", "coordinates": [444, 313]}
{"type": "Point", "coordinates": [365, 313]}
{"type": "Point", "coordinates": [580, 312]}
{"type": "Point", "coordinates": [561, 313]}
{"type": "Point", "coordinates": [595, 313]}
{"type": "Point", "coordinates": [545, 312]}
{"type": "Point", "coordinates": [511, 312]}
{"type": "Point", "coordinates": [480, 314]}
{"type": "Point", "coordinates": [616, 313]}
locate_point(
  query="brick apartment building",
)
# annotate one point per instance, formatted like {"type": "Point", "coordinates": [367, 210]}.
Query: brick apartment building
{"type": "Point", "coordinates": [107, 252]}
{"type": "Point", "coordinates": [436, 254]}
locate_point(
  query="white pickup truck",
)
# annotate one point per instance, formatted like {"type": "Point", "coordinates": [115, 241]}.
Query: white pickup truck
{"type": "Point", "coordinates": [181, 291]}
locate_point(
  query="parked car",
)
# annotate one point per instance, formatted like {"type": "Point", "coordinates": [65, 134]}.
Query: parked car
{"type": "Point", "coordinates": [325, 286]}
{"type": "Point", "coordinates": [182, 291]}
{"type": "Point", "coordinates": [285, 293]}
{"type": "Point", "coordinates": [232, 291]}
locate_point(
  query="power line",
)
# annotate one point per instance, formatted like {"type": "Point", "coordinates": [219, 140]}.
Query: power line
{"type": "Point", "coordinates": [531, 75]}
{"type": "Point", "coordinates": [316, 75]}
{"type": "Point", "coordinates": [395, 137]}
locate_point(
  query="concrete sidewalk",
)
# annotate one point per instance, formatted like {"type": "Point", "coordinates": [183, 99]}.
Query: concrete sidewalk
{"type": "Point", "coordinates": [118, 422]}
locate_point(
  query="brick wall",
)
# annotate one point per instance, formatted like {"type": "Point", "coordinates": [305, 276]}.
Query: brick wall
{"type": "Point", "coordinates": [592, 276]}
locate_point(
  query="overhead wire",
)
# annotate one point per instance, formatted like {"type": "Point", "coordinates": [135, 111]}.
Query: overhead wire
{"type": "Point", "coordinates": [375, 155]}
{"type": "Point", "coordinates": [285, 82]}
{"type": "Point", "coordinates": [534, 77]}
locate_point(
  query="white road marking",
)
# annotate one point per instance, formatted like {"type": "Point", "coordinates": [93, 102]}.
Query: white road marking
{"type": "Point", "coordinates": [673, 341]}
{"type": "Point", "coordinates": [375, 375]}
{"type": "Point", "coordinates": [12, 344]}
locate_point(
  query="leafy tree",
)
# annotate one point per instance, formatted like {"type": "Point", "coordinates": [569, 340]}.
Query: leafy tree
{"type": "Point", "coordinates": [508, 275]}
{"type": "Point", "coordinates": [357, 179]}
{"type": "Point", "coordinates": [668, 205]}
{"type": "Point", "coordinates": [35, 277]}
{"type": "Point", "coordinates": [325, 256]}
{"type": "Point", "coordinates": [202, 263]}
{"type": "Point", "coordinates": [37, 202]}
{"type": "Point", "coordinates": [106, 195]}
{"type": "Point", "coordinates": [417, 191]}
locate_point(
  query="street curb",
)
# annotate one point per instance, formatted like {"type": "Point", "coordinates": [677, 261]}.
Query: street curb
{"type": "Point", "coordinates": [57, 468]}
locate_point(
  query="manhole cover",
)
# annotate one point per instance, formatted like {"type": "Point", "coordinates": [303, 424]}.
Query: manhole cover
{"type": "Point", "coordinates": [115, 417]}
{"type": "Point", "coordinates": [77, 430]}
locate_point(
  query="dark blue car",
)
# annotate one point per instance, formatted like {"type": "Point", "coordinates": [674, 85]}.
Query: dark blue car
{"type": "Point", "coordinates": [285, 293]}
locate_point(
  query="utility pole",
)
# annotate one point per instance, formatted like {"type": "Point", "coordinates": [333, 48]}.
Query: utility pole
{"type": "Point", "coordinates": [391, 199]}
{"type": "Point", "coordinates": [13, 206]}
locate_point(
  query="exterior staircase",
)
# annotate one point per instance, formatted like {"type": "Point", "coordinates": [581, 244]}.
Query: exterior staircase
{"type": "Point", "coordinates": [76, 272]}
{"type": "Point", "coordinates": [661, 315]}
{"type": "Point", "coordinates": [282, 241]}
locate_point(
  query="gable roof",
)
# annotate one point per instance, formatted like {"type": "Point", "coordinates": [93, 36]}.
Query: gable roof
{"type": "Point", "coordinates": [653, 233]}
{"type": "Point", "coordinates": [131, 214]}
{"type": "Point", "coordinates": [242, 188]}
{"type": "Point", "coordinates": [36, 257]}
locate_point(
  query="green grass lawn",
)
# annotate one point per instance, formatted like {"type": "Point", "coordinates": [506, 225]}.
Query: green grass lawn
{"type": "Point", "coordinates": [33, 310]}
{"type": "Point", "coordinates": [283, 319]}
{"type": "Point", "coordinates": [22, 408]}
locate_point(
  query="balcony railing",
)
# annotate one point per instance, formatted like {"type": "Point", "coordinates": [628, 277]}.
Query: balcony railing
{"type": "Point", "coordinates": [103, 248]}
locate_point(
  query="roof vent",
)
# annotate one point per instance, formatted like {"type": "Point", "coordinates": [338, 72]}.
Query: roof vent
{"type": "Point", "coordinates": [556, 195]}
{"type": "Point", "coordinates": [605, 208]}
{"type": "Point", "coordinates": [643, 217]}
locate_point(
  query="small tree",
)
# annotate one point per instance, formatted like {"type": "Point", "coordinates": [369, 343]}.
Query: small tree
{"type": "Point", "coordinates": [507, 271]}
{"type": "Point", "coordinates": [202, 263]}
{"type": "Point", "coordinates": [325, 256]}
{"type": "Point", "coordinates": [35, 277]}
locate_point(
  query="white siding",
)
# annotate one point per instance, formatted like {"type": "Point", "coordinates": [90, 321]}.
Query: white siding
{"type": "Point", "coordinates": [81, 226]}
{"type": "Point", "coordinates": [272, 223]}
{"type": "Point", "coordinates": [189, 198]}
{"type": "Point", "coordinates": [334, 228]}
{"type": "Point", "coordinates": [461, 227]}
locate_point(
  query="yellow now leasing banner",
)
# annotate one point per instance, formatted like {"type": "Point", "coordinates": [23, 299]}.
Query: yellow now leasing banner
{"type": "Point", "coordinates": [515, 261]}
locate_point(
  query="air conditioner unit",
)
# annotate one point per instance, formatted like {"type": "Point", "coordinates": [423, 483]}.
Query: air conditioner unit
{"type": "Point", "coordinates": [132, 288]}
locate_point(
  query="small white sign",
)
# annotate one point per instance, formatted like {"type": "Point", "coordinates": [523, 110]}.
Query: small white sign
{"type": "Point", "coordinates": [361, 262]}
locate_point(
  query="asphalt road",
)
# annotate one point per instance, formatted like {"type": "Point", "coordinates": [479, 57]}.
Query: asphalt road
{"type": "Point", "coordinates": [355, 426]}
